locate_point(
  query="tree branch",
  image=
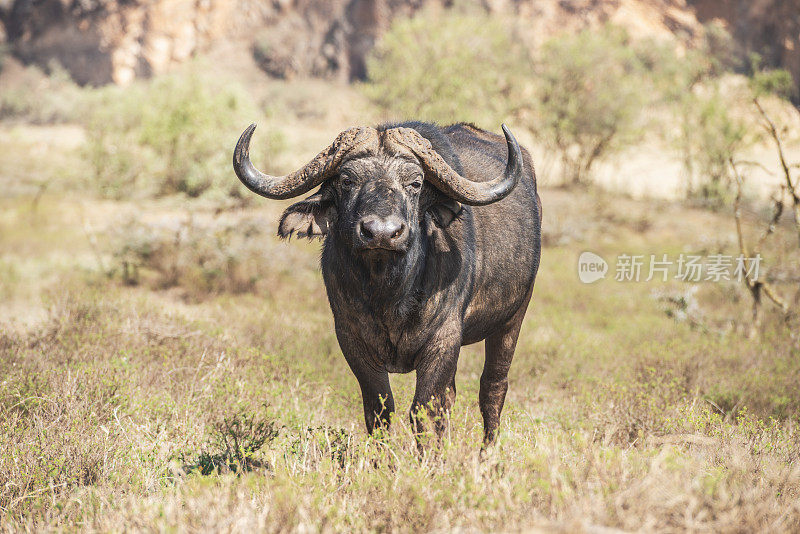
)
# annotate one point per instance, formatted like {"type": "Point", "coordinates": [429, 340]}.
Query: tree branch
{"type": "Point", "coordinates": [755, 286]}
{"type": "Point", "coordinates": [756, 164]}
{"type": "Point", "coordinates": [777, 211]}
{"type": "Point", "coordinates": [773, 131]}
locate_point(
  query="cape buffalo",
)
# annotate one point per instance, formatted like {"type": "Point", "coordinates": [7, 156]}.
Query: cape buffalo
{"type": "Point", "coordinates": [432, 239]}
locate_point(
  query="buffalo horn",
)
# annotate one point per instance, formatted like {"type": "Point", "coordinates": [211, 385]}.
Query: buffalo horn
{"type": "Point", "coordinates": [316, 171]}
{"type": "Point", "coordinates": [447, 180]}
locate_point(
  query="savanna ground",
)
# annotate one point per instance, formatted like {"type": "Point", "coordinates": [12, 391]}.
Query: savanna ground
{"type": "Point", "coordinates": [167, 364]}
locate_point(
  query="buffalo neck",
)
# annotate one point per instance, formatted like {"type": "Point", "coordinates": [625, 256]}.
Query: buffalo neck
{"type": "Point", "coordinates": [390, 287]}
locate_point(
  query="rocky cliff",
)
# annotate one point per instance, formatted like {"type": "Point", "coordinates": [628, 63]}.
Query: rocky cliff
{"type": "Point", "coordinates": [101, 41]}
{"type": "Point", "coordinates": [770, 28]}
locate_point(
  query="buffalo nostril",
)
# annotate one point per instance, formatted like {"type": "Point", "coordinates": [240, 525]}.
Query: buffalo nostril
{"type": "Point", "coordinates": [366, 231]}
{"type": "Point", "coordinates": [399, 232]}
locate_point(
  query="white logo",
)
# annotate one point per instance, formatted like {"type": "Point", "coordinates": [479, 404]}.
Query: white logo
{"type": "Point", "coordinates": [591, 267]}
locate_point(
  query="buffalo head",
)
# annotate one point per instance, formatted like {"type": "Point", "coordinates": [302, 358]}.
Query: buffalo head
{"type": "Point", "coordinates": [377, 188]}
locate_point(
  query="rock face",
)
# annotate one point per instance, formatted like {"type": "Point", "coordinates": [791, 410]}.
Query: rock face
{"type": "Point", "coordinates": [102, 41]}
{"type": "Point", "coordinates": [770, 28]}
{"type": "Point", "coordinates": [328, 39]}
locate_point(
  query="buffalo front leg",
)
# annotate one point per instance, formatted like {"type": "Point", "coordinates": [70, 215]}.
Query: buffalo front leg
{"type": "Point", "coordinates": [494, 380]}
{"type": "Point", "coordinates": [435, 393]}
{"type": "Point", "coordinates": [376, 392]}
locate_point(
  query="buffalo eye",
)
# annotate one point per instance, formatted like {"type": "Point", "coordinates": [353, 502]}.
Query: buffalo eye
{"type": "Point", "coordinates": [347, 180]}
{"type": "Point", "coordinates": [415, 185]}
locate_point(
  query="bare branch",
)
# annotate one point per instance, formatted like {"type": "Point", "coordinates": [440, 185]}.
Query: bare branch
{"type": "Point", "coordinates": [756, 164]}
{"type": "Point", "coordinates": [773, 131]}
{"type": "Point", "coordinates": [737, 212]}
{"type": "Point", "coordinates": [777, 211]}
{"type": "Point", "coordinates": [756, 287]}
{"type": "Point", "coordinates": [774, 297]}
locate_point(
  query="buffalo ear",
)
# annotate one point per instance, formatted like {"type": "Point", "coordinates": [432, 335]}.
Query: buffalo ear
{"type": "Point", "coordinates": [444, 211]}
{"type": "Point", "coordinates": [308, 218]}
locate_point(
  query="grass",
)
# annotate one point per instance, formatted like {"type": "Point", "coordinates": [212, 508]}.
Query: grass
{"type": "Point", "coordinates": [142, 406]}
{"type": "Point", "coordinates": [203, 397]}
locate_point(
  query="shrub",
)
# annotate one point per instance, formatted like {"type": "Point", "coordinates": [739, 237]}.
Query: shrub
{"type": "Point", "coordinates": [712, 136]}
{"type": "Point", "coordinates": [700, 103]}
{"type": "Point", "coordinates": [714, 127]}
{"type": "Point", "coordinates": [448, 67]}
{"type": "Point", "coordinates": [116, 160]}
{"type": "Point", "coordinates": [203, 257]}
{"type": "Point", "coordinates": [582, 96]}
{"type": "Point", "coordinates": [42, 97]}
{"type": "Point", "coordinates": [237, 440]}
{"type": "Point", "coordinates": [589, 90]}
{"type": "Point", "coordinates": [646, 406]}
{"type": "Point", "coordinates": [778, 82]}
{"type": "Point", "coordinates": [180, 142]}
{"type": "Point", "coordinates": [787, 194]}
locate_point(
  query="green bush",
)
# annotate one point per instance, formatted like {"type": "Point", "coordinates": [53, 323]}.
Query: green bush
{"type": "Point", "coordinates": [712, 135]}
{"type": "Point", "coordinates": [115, 158]}
{"type": "Point", "coordinates": [589, 92]}
{"type": "Point", "coordinates": [700, 104]}
{"type": "Point", "coordinates": [173, 134]}
{"type": "Point", "coordinates": [237, 440]}
{"type": "Point", "coordinates": [42, 97]}
{"type": "Point", "coordinates": [448, 67]}
{"type": "Point", "coordinates": [581, 97]}
{"type": "Point", "coordinates": [777, 82]}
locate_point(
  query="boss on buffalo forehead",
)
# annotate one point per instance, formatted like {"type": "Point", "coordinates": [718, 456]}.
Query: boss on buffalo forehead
{"type": "Point", "coordinates": [431, 241]}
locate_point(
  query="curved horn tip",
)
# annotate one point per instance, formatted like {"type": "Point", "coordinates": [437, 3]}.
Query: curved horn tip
{"type": "Point", "coordinates": [248, 132]}
{"type": "Point", "coordinates": [508, 134]}
{"type": "Point", "coordinates": [243, 144]}
{"type": "Point", "coordinates": [514, 150]}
